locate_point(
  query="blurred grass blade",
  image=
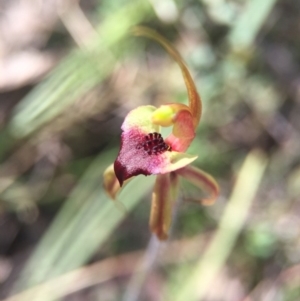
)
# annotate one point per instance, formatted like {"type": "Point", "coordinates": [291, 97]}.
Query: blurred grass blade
{"type": "Point", "coordinates": [85, 221]}
{"type": "Point", "coordinates": [249, 23]}
{"type": "Point", "coordinates": [230, 226]}
{"type": "Point", "coordinates": [75, 76]}
{"type": "Point", "coordinates": [78, 73]}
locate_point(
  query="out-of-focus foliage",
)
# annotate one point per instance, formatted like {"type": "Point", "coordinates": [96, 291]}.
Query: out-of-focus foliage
{"type": "Point", "coordinates": [69, 73]}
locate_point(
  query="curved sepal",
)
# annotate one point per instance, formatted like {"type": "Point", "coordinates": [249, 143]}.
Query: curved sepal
{"type": "Point", "coordinates": [194, 98]}
{"type": "Point", "coordinates": [202, 180]}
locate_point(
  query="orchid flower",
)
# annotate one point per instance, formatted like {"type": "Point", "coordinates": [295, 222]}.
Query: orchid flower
{"type": "Point", "coordinates": [144, 151]}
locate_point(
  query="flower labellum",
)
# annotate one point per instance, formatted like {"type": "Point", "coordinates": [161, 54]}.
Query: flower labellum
{"type": "Point", "coordinates": [144, 151]}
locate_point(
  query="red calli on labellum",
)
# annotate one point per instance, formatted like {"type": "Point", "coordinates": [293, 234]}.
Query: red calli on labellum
{"type": "Point", "coordinates": [144, 151]}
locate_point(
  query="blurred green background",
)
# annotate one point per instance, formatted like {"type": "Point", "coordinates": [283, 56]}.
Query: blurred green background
{"type": "Point", "coordinates": [70, 72]}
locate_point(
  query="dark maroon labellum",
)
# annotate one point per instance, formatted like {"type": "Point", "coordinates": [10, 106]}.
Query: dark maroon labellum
{"type": "Point", "coordinates": [154, 144]}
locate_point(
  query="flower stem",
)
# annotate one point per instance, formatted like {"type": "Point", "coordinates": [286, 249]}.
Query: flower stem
{"type": "Point", "coordinates": [145, 267]}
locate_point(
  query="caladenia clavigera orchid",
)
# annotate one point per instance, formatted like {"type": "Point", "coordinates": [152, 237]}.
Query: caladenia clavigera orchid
{"type": "Point", "coordinates": [144, 151]}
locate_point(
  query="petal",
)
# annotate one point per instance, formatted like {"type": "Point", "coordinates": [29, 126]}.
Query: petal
{"type": "Point", "coordinates": [203, 180]}
{"type": "Point", "coordinates": [161, 207]}
{"type": "Point", "coordinates": [137, 157]}
{"type": "Point", "coordinates": [183, 125]}
{"type": "Point", "coordinates": [183, 132]}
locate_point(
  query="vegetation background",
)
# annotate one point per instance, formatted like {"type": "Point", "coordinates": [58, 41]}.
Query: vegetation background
{"type": "Point", "coordinates": [69, 73]}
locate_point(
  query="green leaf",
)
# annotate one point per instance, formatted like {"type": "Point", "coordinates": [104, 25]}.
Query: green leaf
{"type": "Point", "coordinates": [83, 224]}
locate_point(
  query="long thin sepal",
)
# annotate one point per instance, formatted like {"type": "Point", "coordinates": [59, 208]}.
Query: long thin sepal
{"type": "Point", "coordinates": [202, 180]}
{"type": "Point", "coordinates": [194, 98]}
{"type": "Point", "coordinates": [161, 207]}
